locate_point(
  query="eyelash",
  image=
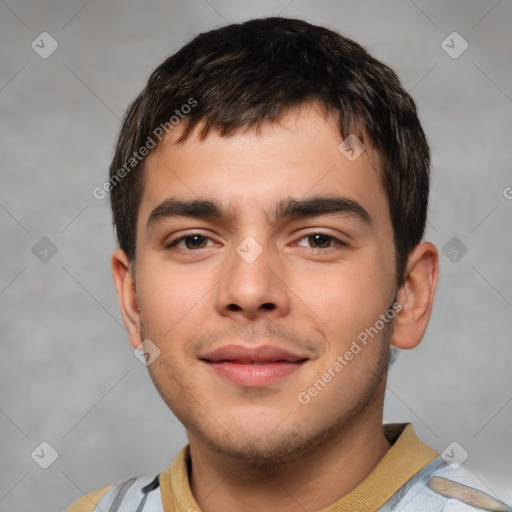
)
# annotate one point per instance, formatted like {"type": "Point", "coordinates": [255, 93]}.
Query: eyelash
{"type": "Point", "coordinates": [334, 242]}
{"type": "Point", "coordinates": [174, 243]}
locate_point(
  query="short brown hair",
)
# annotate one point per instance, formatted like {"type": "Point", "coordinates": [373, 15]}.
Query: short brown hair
{"type": "Point", "coordinates": [241, 75]}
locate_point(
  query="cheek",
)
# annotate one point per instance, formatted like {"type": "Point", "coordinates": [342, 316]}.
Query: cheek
{"type": "Point", "coordinates": [170, 297]}
{"type": "Point", "coordinates": [345, 300]}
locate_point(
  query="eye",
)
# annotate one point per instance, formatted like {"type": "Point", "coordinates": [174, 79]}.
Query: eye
{"type": "Point", "coordinates": [192, 242]}
{"type": "Point", "coordinates": [319, 241]}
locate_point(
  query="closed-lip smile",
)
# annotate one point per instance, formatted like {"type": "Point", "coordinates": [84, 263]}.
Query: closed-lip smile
{"type": "Point", "coordinates": [253, 366]}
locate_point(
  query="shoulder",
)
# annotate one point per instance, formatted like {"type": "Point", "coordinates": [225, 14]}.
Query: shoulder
{"type": "Point", "coordinates": [140, 493]}
{"type": "Point", "coordinates": [88, 502]}
{"type": "Point", "coordinates": [464, 490]}
{"type": "Point", "coordinates": [442, 488]}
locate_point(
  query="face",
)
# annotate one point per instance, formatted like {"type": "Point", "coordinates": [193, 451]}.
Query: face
{"type": "Point", "coordinates": [261, 261]}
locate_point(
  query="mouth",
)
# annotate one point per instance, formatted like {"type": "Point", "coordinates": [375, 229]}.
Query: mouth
{"type": "Point", "coordinates": [253, 367]}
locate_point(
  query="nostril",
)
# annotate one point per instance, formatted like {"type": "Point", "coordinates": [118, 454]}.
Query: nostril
{"type": "Point", "coordinates": [269, 306]}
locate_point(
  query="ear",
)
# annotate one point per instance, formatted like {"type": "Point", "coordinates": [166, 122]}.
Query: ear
{"type": "Point", "coordinates": [122, 272]}
{"type": "Point", "coordinates": [416, 296]}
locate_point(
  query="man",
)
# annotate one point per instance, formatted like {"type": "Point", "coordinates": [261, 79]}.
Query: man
{"type": "Point", "coordinates": [269, 192]}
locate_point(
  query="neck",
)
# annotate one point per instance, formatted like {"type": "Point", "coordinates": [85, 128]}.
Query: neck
{"type": "Point", "coordinates": [312, 481]}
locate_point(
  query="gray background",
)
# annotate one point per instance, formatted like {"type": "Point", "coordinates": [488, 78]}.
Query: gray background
{"type": "Point", "coordinates": [67, 372]}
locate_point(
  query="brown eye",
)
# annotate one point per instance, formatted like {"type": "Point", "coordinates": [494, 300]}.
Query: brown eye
{"type": "Point", "coordinates": [195, 241]}
{"type": "Point", "coordinates": [322, 242]}
{"type": "Point", "coordinates": [191, 242]}
{"type": "Point", "coordinates": [319, 241]}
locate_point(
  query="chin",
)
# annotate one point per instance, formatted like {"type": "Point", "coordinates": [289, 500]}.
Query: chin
{"type": "Point", "coordinates": [257, 449]}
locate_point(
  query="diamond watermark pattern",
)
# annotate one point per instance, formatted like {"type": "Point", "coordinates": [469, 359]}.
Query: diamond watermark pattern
{"type": "Point", "coordinates": [454, 249]}
{"type": "Point", "coordinates": [454, 455]}
{"type": "Point", "coordinates": [44, 250]}
{"type": "Point", "coordinates": [44, 45]}
{"type": "Point", "coordinates": [352, 147]}
{"type": "Point", "coordinates": [44, 455]}
{"type": "Point", "coordinates": [249, 250]}
{"type": "Point", "coordinates": [454, 45]}
{"type": "Point", "coordinates": [146, 352]}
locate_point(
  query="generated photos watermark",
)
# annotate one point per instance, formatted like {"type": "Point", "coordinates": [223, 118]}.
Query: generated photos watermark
{"type": "Point", "coordinates": [361, 341]}
{"type": "Point", "coordinates": [138, 156]}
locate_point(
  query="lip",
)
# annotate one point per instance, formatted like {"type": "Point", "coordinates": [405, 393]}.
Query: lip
{"type": "Point", "coordinates": [253, 367]}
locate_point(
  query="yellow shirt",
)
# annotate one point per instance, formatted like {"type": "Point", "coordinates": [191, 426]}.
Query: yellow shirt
{"type": "Point", "coordinates": [406, 457]}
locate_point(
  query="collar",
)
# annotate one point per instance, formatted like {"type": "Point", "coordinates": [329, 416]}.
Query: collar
{"type": "Point", "coordinates": [406, 457]}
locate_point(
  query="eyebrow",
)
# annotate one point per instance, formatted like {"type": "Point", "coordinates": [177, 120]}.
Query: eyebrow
{"type": "Point", "coordinates": [312, 207]}
{"type": "Point", "coordinates": [199, 208]}
{"type": "Point", "coordinates": [283, 209]}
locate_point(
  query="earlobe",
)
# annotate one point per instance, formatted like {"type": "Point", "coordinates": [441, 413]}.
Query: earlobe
{"type": "Point", "coordinates": [125, 286]}
{"type": "Point", "coordinates": [416, 296]}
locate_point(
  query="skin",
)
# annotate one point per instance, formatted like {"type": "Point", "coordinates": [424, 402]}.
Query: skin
{"type": "Point", "coordinates": [312, 300]}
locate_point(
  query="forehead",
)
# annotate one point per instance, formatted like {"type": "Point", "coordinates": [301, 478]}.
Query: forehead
{"type": "Point", "coordinates": [297, 157]}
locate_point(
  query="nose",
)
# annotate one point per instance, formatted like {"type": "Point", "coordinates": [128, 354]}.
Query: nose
{"type": "Point", "coordinates": [254, 287]}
